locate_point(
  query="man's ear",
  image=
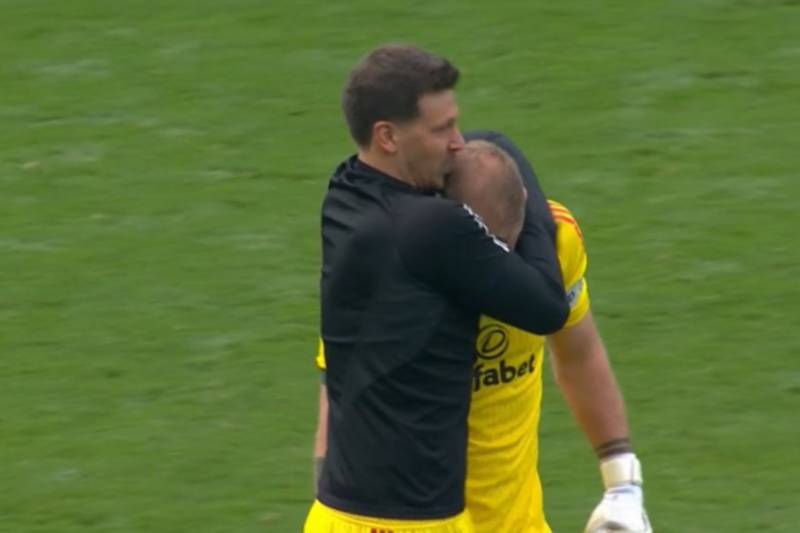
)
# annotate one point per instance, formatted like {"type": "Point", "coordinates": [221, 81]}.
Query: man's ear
{"type": "Point", "coordinates": [384, 136]}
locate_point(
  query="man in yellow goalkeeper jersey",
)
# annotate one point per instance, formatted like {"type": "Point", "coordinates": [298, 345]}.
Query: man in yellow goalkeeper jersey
{"type": "Point", "coordinates": [503, 490]}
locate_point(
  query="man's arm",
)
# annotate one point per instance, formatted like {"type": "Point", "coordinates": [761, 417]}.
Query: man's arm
{"type": "Point", "coordinates": [321, 438]}
{"type": "Point", "coordinates": [583, 373]}
{"type": "Point", "coordinates": [536, 244]}
{"type": "Point", "coordinates": [447, 246]}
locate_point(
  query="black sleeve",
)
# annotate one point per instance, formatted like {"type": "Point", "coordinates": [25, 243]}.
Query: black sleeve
{"type": "Point", "coordinates": [537, 241]}
{"type": "Point", "coordinates": [449, 248]}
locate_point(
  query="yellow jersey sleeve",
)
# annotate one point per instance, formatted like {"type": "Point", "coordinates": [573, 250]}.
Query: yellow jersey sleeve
{"type": "Point", "coordinates": [572, 256]}
{"type": "Point", "coordinates": [320, 359]}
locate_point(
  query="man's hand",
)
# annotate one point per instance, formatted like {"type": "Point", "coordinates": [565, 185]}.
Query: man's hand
{"type": "Point", "coordinates": [622, 507]}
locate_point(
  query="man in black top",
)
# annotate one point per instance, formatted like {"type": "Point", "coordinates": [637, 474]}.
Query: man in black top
{"type": "Point", "coordinates": [405, 276]}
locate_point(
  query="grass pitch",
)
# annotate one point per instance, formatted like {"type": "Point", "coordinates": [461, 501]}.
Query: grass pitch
{"type": "Point", "coordinates": [161, 170]}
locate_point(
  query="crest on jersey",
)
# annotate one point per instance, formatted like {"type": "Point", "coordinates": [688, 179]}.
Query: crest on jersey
{"type": "Point", "coordinates": [492, 341]}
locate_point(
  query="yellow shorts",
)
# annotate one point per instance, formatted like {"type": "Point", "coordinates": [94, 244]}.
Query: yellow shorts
{"type": "Point", "coordinates": [323, 519]}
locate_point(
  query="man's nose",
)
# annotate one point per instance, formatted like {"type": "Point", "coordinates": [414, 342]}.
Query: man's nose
{"type": "Point", "coordinates": [457, 142]}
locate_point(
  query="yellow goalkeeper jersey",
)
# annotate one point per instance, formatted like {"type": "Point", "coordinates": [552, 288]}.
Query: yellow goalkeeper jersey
{"type": "Point", "coordinates": [503, 490]}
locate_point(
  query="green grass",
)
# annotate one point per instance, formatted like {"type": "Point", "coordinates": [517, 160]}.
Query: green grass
{"type": "Point", "coordinates": [161, 170]}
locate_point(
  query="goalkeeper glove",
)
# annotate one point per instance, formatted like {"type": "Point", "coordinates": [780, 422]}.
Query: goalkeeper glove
{"type": "Point", "coordinates": [622, 507]}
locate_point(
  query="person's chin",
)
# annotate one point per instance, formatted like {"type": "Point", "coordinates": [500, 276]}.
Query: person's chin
{"type": "Point", "coordinates": [449, 165]}
{"type": "Point", "coordinates": [433, 186]}
{"type": "Point", "coordinates": [447, 171]}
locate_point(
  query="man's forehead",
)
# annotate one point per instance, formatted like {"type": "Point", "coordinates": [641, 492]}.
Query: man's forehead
{"type": "Point", "coordinates": [438, 106]}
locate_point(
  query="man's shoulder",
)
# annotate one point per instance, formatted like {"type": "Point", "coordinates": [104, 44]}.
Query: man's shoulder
{"type": "Point", "coordinates": [436, 217]}
{"type": "Point", "coordinates": [565, 219]}
{"type": "Point", "coordinates": [430, 206]}
{"type": "Point", "coordinates": [569, 243]}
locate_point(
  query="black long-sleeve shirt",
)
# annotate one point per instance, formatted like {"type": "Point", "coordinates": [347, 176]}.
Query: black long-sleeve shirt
{"type": "Point", "coordinates": [405, 277]}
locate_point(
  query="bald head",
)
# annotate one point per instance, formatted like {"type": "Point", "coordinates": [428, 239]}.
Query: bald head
{"type": "Point", "coordinates": [487, 179]}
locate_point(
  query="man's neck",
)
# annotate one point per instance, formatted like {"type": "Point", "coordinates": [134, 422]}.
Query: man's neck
{"type": "Point", "coordinates": [385, 165]}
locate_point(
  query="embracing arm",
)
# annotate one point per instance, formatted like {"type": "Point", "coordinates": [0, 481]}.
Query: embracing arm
{"type": "Point", "coordinates": [447, 246]}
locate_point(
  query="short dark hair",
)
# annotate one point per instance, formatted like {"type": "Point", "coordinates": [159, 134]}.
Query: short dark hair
{"type": "Point", "coordinates": [387, 84]}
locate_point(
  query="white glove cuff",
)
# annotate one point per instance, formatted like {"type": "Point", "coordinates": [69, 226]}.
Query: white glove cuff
{"type": "Point", "coordinates": [623, 469]}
